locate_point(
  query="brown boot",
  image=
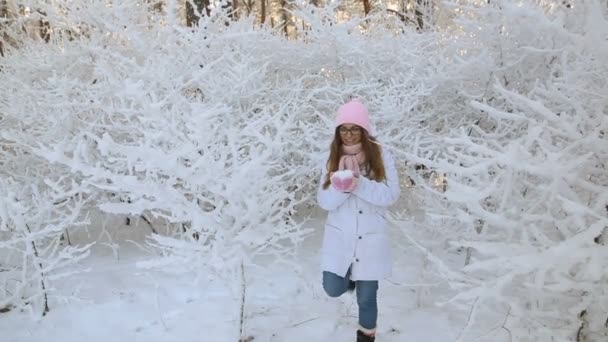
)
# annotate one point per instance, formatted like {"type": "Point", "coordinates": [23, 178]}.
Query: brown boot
{"type": "Point", "coordinates": [362, 337]}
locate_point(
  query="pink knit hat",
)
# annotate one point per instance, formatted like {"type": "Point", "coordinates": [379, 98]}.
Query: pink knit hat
{"type": "Point", "coordinates": [354, 112]}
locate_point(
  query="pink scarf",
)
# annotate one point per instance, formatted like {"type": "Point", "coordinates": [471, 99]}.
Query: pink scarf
{"type": "Point", "coordinates": [353, 159]}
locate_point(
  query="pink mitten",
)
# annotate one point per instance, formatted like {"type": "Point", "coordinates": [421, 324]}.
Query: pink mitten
{"type": "Point", "coordinates": [344, 181]}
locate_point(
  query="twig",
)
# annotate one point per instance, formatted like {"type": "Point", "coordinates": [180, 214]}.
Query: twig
{"type": "Point", "coordinates": [417, 285]}
{"type": "Point", "coordinates": [149, 223]}
{"type": "Point", "coordinates": [502, 325]}
{"type": "Point", "coordinates": [160, 315]}
{"type": "Point", "coordinates": [243, 294]}
{"type": "Point", "coordinates": [468, 319]}
{"type": "Point", "coordinates": [401, 16]}
{"type": "Point", "coordinates": [580, 333]}
{"type": "Point", "coordinates": [42, 276]}
{"type": "Point", "coordinates": [505, 322]}
{"type": "Point", "coordinates": [6, 308]}
{"type": "Point", "coordinates": [304, 322]}
{"type": "Point", "coordinates": [67, 236]}
{"type": "Point", "coordinates": [316, 318]}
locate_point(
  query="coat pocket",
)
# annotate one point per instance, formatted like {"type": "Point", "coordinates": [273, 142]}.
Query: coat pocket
{"type": "Point", "coordinates": [333, 240]}
{"type": "Point", "coordinates": [381, 216]}
{"type": "Point", "coordinates": [374, 248]}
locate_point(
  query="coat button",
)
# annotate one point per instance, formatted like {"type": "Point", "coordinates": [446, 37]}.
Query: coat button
{"type": "Point", "coordinates": [360, 237]}
{"type": "Point", "coordinates": [360, 211]}
{"type": "Point", "coordinates": [357, 260]}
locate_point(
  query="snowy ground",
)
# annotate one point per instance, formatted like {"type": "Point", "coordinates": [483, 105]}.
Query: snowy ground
{"type": "Point", "coordinates": [118, 301]}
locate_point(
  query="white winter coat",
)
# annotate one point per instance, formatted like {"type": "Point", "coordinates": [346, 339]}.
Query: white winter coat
{"type": "Point", "coordinates": [355, 230]}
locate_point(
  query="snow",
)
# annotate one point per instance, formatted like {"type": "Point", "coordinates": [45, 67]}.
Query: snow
{"type": "Point", "coordinates": [343, 174]}
{"type": "Point", "coordinates": [496, 117]}
{"type": "Point", "coordinates": [115, 300]}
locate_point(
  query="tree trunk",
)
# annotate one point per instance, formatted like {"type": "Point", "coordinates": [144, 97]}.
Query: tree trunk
{"type": "Point", "coordinates": [419, 14]}
{"type": "Point", "coordinates": [231, 7]}
{"type": "Point", "coordinates": [263, 12]}
{"type": "Point", "coordinates": [235, 9]}
{"type": "Point", "coordinates": [191, 16]}
{"type": "Point", "coordinates": [36, 261]}
{"type": "Point", "coordinates": [3, 9]}
{"type": "Point", "coordinates": [4, 14]}
{"type": "Point", "coordinates": [423, 10]}
{"type": "Point", "coordinates": [367, 7]}
{"type": "Point", "coordinates": [242, 311]}
{"type": "Point", "coordinates": [285, 17]}
{"type": "Point", "coordinates": [44, 28]}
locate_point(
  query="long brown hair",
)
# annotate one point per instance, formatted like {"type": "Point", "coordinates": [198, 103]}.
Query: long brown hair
{"type": "Point", "coordinates": [374, 166]}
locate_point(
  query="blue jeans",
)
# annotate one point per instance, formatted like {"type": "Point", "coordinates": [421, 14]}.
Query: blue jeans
{"type": "Point", "coordinates": [367, 291]}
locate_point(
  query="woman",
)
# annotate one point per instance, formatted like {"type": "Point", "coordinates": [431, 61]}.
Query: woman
{"type": "Point", "coordinates": [358, 183]}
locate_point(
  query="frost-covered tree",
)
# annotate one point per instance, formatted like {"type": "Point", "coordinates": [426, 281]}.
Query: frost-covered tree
{"type": "Point", "coordinates": [34, 254]}
{"type": "Point", "coordinates": [526, 170]}
{"type": "Point", "coordinates": [216, 134]}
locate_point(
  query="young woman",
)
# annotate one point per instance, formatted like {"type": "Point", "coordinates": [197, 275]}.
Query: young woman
{"type": "Point", "coordinates": [358, 183]}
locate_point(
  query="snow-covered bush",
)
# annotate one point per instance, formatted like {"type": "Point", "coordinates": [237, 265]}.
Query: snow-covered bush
{"type": "Point", "coordinates": [34, 219]}
{"type": "Point", "coordinates": [525, 158]}
{"type": "Point", "coordinates": [218, 133]}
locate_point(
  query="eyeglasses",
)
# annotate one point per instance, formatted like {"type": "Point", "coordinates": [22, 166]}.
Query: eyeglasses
{"type": "Point", "coordinates": [355, 130]}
